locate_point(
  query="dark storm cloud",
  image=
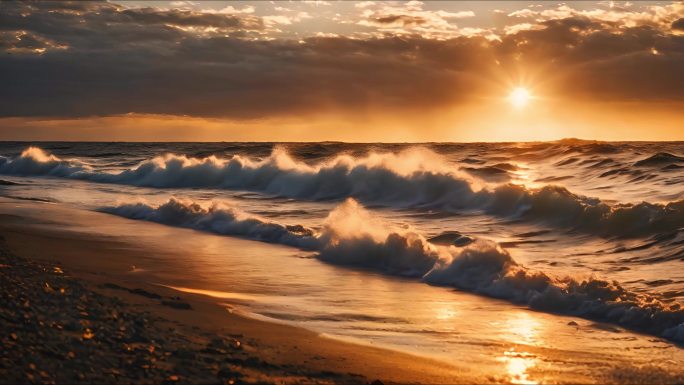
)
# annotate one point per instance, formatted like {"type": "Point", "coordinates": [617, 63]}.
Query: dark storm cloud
{"type": "Point", "coordinates": [189, 18]}
{"type": "Point", "coordinates": [678, 24]}
{"type": "Point", "coordinates": [82, 59]}
{"type": "Point", "coordinates": [638, 63]}
{"type": "Point", "coordinates": [22, 41]}
{"type": "Point", "coordinates": [402, 19]}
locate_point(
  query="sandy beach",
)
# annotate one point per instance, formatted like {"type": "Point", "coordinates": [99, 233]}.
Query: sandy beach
{"type": "Point", "coordinates": [71, 315]}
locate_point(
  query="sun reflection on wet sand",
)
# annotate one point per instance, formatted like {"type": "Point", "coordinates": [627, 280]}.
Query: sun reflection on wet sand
{"type": "Point", "coordinates": [523, 329]}
{"type": "Point", "coordinates": [445, 310]}
{"type": "Point", "coordinates": [517, 365]}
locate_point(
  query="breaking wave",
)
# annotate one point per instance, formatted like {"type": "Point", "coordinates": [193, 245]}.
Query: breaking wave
{"type": "Point", "coordinates": [659, 159]}
{"type": "Point", "coordinates": [34, 161]}
{"type": "Point", "coordinates": [351, 236]}
{"type": "Point", "coordinates": [219, 218]}
{"type": "Point", "coordinates": [416, 178]}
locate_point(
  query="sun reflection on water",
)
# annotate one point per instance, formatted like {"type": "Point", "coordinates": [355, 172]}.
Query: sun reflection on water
{"type": "Point", "coordinates": [525, 175]}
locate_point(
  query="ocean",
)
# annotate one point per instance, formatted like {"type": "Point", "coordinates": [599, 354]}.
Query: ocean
{"type": "Point", "coordinates": [446, 249]}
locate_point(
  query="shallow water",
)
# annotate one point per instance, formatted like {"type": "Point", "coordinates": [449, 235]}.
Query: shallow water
{"type": "Point", "coordinates": [556, 210]}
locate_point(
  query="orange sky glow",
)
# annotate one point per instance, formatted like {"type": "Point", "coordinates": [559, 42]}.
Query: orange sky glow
{"type": "Point", "coordinates": [342, 71]}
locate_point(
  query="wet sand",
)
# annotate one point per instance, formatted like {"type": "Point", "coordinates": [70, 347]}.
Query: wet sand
{"type": "Point", "coordinates": [107, 326]}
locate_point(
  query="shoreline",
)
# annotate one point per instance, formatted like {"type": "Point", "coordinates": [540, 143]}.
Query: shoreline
{"type": "Point", "coordinates": [100, 250]}
{"type": "Point", "coordinates": [270, 352]}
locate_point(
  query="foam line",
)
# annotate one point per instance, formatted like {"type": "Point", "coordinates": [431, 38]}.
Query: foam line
{"type": "Point", "coordinates": [351, 236]}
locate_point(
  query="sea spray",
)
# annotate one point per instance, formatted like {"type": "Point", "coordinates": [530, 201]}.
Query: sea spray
{"type": "Point", "coordinates": [352, 236]}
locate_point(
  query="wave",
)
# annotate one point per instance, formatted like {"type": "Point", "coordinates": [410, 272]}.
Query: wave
{"type": "Point", "coordinates": [219, 218]}
{"type": "Point", "coordinates": [34, 161]}
{"type": "Point", "coordinates": [415, 178]}
{"type": "Point", "coordinates": [557, 206]}
{"type": "Point", "coordinates": [488, 173]}
{"type": "Point", "coordinates": [352, 236]}
{"type": "Point", "coordinates": [659, 159]}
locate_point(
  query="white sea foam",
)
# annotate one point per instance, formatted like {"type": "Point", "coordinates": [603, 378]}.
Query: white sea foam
{"type": "Point", "coordinates": [415, 178]}
{"type": "Point", "coordinates": [351, 236]}
{"type": "Point", "coordinates": [219, 218]}
{"type": "Point", "coordinates": [34, 161]}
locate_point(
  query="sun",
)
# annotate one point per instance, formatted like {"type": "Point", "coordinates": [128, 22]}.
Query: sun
{"type": "Point", "coordinates": [519, 97]}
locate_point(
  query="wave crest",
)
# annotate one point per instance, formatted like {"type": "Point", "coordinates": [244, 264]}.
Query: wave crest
{"type": "Point", "coordinates": [219, 218]}
{"type": "Point", "coordinates": [352, 236]}
{"type": "Point", "coordinates": [559, 207]}
{"type": "Point", "coordinates": [35, 161]}
{"type": "Point", "coordinates": [415, 178]}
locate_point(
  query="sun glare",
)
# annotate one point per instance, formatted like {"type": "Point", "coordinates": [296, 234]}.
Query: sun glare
{"type": "Point", "coordinates": [519, 97]}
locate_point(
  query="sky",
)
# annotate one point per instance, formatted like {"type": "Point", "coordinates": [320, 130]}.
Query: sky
{"type": "Point", "coordinates": [367, 71]}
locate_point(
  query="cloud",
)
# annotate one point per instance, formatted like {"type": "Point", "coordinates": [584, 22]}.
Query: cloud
{"type": "Point", "coordinates": [364, 4]}
{"type": "Point", "coordinates": [277, 19]}
{"type": "Point", "coordinates": [316, 2]}
{"type": "Point", "coordinates": [287, 16]}
{"type": "Point", "coordinates": [678, 24]}
{"type": "Point", "coordinates": [186, 18]}
{"type": "Point", "coordinates": [515, 28]}
{"type": "Point", "coordinates": [410, 19]}
{"type": "Point", "coordinates": [230, 9]}
{"type": "Point", "coordinates": [183, 4]}
{"type": "Point", "coordinates": [95, 25]}
{"type": "Point", "coordinates": [401, 20]}
{"type": "Point", "coordinates": [613, 15]}
{"type": "Point", "coordinates": [100, 59]}
{"type": "Point", "coordinates": [23, 42]}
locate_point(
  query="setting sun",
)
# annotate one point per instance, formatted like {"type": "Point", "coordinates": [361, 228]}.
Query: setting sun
{"type": "Point", "coordinates": [519, 97]}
